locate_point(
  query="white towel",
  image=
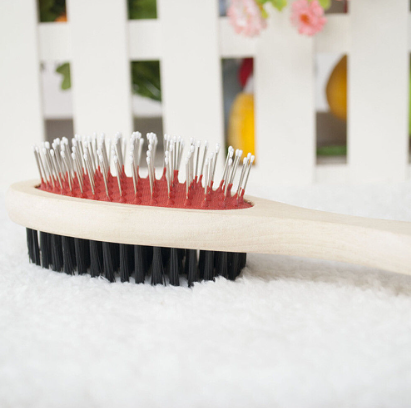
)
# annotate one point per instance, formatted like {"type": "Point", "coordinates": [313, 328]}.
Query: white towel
{"type": "Point", "coordinates": [289, 332]}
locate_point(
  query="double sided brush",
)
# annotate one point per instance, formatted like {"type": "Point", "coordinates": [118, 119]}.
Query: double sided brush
{"type": "Point", "coordinates": [86, 215]}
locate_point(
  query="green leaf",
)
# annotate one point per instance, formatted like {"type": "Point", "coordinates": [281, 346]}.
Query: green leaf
{"type": "Point", "coordinates": [325, 4]}
{"type": "Point", "coordinates": [64, 70]}
{"type": "Point", "coordinates": [264, 12]}
{"type": "Point", "coordinates": [145, 76]}
{"type": "Point", "coordinates": [142, 9]}
{"type": "Point", "coordinates": [278, 4]}
{"type": "Point", "coordinates": [332, 151]}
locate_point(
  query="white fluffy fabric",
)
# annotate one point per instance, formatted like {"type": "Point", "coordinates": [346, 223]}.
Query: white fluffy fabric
{"type": "Point", "coordinates": [289, 332]}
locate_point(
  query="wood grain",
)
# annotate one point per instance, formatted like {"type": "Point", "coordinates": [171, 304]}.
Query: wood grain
{"type": "Point", "coordinates": [268, 227]}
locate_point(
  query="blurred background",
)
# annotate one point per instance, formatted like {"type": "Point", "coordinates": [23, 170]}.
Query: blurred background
{"type": "Point", "coordinates": [330, 107]}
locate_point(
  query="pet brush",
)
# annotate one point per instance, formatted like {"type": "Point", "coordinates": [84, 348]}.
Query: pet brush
{"type": "Point", "coordinates": [95, 219]}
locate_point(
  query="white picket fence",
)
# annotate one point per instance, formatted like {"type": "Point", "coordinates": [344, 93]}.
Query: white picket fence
{"type": "Point", "coordinates": [190, 40]}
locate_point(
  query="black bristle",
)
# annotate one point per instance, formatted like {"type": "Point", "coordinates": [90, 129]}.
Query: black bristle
{"type": "Point", "coordinates": [131, 258]}
{"type": "Point", "coordinates": [165, 256]}
{"type": "Point", "coordinates": [81, 249]}
{"type": "Point", "coordinates": [157, 270]}
{"type": "Point", "coordinates": [29, 236]}
{"type": "Point", "coordinates": [221, 268]}
{"type": "Point", "coordinates": [139, 264]}
{"type": "Point", "coordinates": [96, 258]}
{"type": "Point", "coordinates": [238, 266]}
{"type": "Point", "coordinates": [45, 249]}
{"type": "Point", "coordinates": [73, 252]}
{"type": "Point", "coordinates": [68, 255]}
{"type": "Point", "coordinates": [243, 260]}
{"type": "Point", "coordinates": [56, 253]}
{"type": "Point", "coordinates": [124, 263]}
{"type": "Point", "coordinates": [201, 261]}
{"type": "Point", "coordinates": [208, 265]}
{"type": "Point", "coordinates": [115, 250]}
{"type": "Point", "coordinates": [36, 249]}
{"type": "Point", "coordinates": [108, 265]}
{"type": "Point", "coordinates": [61, 253]}
{"type": "Point", "coordinates": [174, 268]}
{"type": "Point", "coordinates": [181, 255]}
{"type": "Point", "coordinates": [233, 265]}
{"type": "Point", "coordinates": [148, 258]}
{"type": "Point", "coordinates": [191, 266]}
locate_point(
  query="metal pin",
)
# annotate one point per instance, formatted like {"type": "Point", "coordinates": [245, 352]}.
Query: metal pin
{"type": "Point", "coordinates": [150, 175]}
{"type": "Point", "coordinates": [248, 172]}
{"type": "Point", "coordinates": [133, 172]}
{"type": "Point", "coordinates": [206, 177]}
{"type": "Point", "coordinates": [117, 165]}
{"type": "Point", "coordinates": [238, 155]}
{"type": "Point", "coordinates": [89, 172]}
{"type": "Point", "coordinates": [204, 157]}
{"type": "Point", "coordinates": [101, 160]}
{"type": "Point", "coordinates": [38, 163]}
{"type": "Point", "coordinates": [217, 150]}
{"type": "Point", "coordinates": [230, 164]}
{"type": "Point", "coordinates": [187, 174]}
{"type": "Point", "coordinates": [47, 166]}
{"type": "Point", "coordinates": [229, 155]}
{"type": "Point", "coordinates": [77, 168]}
{"type": "Point", "coordinates": [245, 163]}
{"type": "Point", "coordinates": [63, 155]}
{"type": "Point", "coordinates": [53, 158]}
{"type": "Point", "coordinates": [167, 175]}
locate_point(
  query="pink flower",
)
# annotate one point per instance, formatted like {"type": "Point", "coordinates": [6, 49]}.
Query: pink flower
{"type": "Point", "coordinates": [246, 17]}
{"type": "Point", "coordinates": [308, 16]}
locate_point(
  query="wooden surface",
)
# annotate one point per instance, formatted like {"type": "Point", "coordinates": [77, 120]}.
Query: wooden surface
{"type": "Point", "coordinates": [267, 227]}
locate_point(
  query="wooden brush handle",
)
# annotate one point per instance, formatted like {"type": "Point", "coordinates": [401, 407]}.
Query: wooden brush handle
{"type": "Point", "coordinates": [268, 227]}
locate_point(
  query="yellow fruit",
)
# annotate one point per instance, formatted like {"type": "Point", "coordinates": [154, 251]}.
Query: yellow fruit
{"type": "Point", "coordinates": [337, 89]}
{"type": "Point", "coordinates": [241, 123]}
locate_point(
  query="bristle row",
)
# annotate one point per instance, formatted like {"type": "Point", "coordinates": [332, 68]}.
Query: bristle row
{"type": "Point", "coordinates": [95, 167]}
{"type": "Point", "coordinates": [157, 265]}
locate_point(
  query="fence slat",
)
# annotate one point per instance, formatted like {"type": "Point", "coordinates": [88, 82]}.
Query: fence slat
{"type": "Point", "coordinates": [335, 37]}
{"type": "Point", "coordinates": [233, 45]}
{"type": "Point", "coordinates": [144, 39]}
{"type": "Point", "coordinates": [55, 41]}
{"type": "Point", "coordinates": [191, 69]}
{"type": "Point", "coordinates": [21, 123]}
{"type": "Point", "coordinates": [378, 90]}
{"type": "Point", "coordinates": [284, 92]}
{"type": "Point", "coordinates": [100, 66]}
